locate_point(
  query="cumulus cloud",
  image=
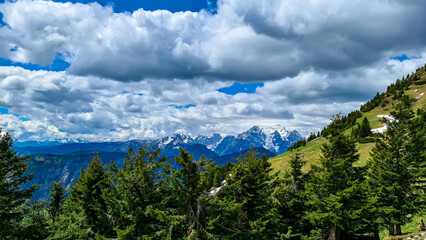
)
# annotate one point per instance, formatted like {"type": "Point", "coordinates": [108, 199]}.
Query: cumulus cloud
{"type": "Point", "coordinates": [56, 105]}
{"type": "Point", "coordinates": [132, 74]}
{"type": "Point", "coordinates": [247, 40]}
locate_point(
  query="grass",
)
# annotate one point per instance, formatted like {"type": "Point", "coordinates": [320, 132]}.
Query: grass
{"type": "Point", "coordinates": [311, 153]}
{"type": "Point", "coordinates": [410, 229]}
{"type": "Point", "coordinates": [364, 150]}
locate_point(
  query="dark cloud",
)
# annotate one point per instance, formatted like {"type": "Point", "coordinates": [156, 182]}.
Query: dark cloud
{"type": "Point", "coordinates": [247, 41]}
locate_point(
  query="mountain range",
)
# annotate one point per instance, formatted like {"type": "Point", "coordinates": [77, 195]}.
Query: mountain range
{"type": "Point", "coordinates": [276, 140]}
{"type": "Point", "coordinates": [62, 162]}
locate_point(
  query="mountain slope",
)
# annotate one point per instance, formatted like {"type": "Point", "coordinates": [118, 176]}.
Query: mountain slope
{"type": "Point", "coordinates": [311, 153]}
{"type": "Point", "coordinates": [276, 140]}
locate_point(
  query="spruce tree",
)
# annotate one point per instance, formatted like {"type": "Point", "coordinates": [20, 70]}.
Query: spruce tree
{"type": "Point", "coordinates": [365, 129]}
{"type": "Point", "coordinates": [189, 182]}
{"type": "Point", "coordinates": [12, 177]}
{"type": "Point", "coordinates": [397, 169]}
{"type": "Point", "coordinates": [85, 211]}
{"type": "Point", "coordinates": [336, 191]}
{"type": "Point", "coordinates": [291, 197]}
{"type": "Point", "coordinates": [249, 188]}
{"type": "Point", "coordinates": [138, 196]}
{"type": "Point", "coordinates": [56, 199]}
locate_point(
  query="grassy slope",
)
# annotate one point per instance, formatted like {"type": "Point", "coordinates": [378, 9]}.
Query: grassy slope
{"type": "Point", "coordinates": [311, 153]}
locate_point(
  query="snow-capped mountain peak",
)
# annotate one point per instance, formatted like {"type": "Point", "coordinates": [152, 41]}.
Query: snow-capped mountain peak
{"type": "Point", "coordinates": [280, 129]}
{"type": "Point", "coordinates": [277, 140]}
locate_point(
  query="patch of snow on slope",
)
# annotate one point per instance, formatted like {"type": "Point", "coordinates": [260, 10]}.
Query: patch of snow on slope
{"type": "Point", "coordinates": [282, 131]}
{"type": "Point", "coordinates": [169, 139]}
{"type": "Point", "coordinates": [418, 97]}
{"type": "Point", "coordinates": [269, 132]}
{"type": "Point", "coordinates": [390, 118]}
{"type": "Point", "coordinates": [385, 127]}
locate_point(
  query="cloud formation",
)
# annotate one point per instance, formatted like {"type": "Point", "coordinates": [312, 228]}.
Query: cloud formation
{"type": "Point", "coordinates": [129, 71]}
{"type": "Point", "coordinates": [56, 105]}
{"type": "Point", "coordinates": [247, 40]}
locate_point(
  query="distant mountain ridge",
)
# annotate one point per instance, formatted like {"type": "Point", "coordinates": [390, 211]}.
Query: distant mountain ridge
{"type": "Point", "coordinates": [276, 140]}
{"type": "Point", "coordinates": [62, 162]}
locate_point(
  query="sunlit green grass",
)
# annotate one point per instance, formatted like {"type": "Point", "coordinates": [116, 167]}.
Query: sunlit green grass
{"type": "Point", "coordinates": [407, 229]}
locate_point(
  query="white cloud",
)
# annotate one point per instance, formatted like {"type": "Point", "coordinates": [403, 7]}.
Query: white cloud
{"type": "Point", "coordinates": [245, 41]}
{"type": "Point", "coordinates": [129, 70]}
{"type": "Point", "coordinates": [60, 105]}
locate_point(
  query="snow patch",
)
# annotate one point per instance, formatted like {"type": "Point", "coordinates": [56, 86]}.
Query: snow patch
{"type": "Point", "coordinates": [385, 126]}
{"type": "Point", "coordinates": [420, 95]}
{"type": "Point", "coordinates": [390, 118]}
{"type": "Point", "coordinates": [269, 132]}
{"type": "Point", "coordinates": [169, 139]}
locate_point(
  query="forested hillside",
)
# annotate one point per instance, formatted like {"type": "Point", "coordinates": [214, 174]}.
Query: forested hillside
{"type": "Point", "coordinates": [345, 183]}
{"type": "Point", "coordinates": [413, 86]}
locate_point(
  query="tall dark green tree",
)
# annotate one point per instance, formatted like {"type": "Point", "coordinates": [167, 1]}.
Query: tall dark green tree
{"type": "Point", "coordinates": [336, 191]}
{"type": "Point", "coordinates": [56, 199]}
{"type": "Point", "coordinates": [85, 211]}
{"type": "Point", "coordinates": [139, 195]}
{"type": "Point", "coordinates": [12, 177]}
{"type": "Point", "coordinates": [249, 188]}
{"type": "Point", "coordinates": [291, 198]}
{"type": "Point", "coordinates": [397, 169]}
{"type": "Point", "coordinates": [189, 183]}
{"type": "Point", "coordinates": [365, 129]}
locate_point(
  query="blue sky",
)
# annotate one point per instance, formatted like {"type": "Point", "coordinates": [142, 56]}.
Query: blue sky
{"type": "Point", "coordinates": [82, 71]}
{"type": "Point", "coordinates": [151, 5]}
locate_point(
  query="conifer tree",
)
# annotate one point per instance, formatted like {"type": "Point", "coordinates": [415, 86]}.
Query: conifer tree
{"type": "Point", "coordinates": [336, 191]}
{"type": "Point", "coordinates": [249, 189]}
{"type": "Point", "coordinates": [365, 129]}
{"type": "Point", "coordinates": [397, 169]}
{"type": "Point", "coordinates": [12, 177]}
{"type": "Point", "coordinates": [136, 199]}
{"type": "Point", "coordinates": [291, 197]}
{"type": "Point", "coordinates": [189, 182]}
{"type": "Point", "coordinates": [56, 199]}
{"type": "Point", "coordinates": [85, 211]}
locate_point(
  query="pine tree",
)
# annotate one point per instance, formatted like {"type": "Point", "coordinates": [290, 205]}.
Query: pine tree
{"type": "Point", "coordinates": [56, 199]}
{"type": "Point", "coordinates": [138, 192]}
{"type": "Point", "coordinates": [365, 129]}
{"type": "Point", "coordinates": [249, 188]}
{"type": "Point", "coordinates": [291, 197]}
{"type": "Point", "coordinates": [312, 136]}
{"type": "Point", "coordinates": [85, 211]}
{"type": "Point", "coordinates": [12, 177]}
{"type": "Point", "coordinates": [336, 191]}
{"type": "Point", "coordinates": [189, 182]}
{"type": "Point", "coordinates": [397, 169]}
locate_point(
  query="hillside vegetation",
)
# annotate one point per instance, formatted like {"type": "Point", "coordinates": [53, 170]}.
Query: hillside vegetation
{"type": "Point", "coordinates": [311, 152]}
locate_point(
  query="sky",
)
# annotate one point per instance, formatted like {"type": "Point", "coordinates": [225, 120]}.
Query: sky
{"type": "Point", "coordinates": [121, 70]}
